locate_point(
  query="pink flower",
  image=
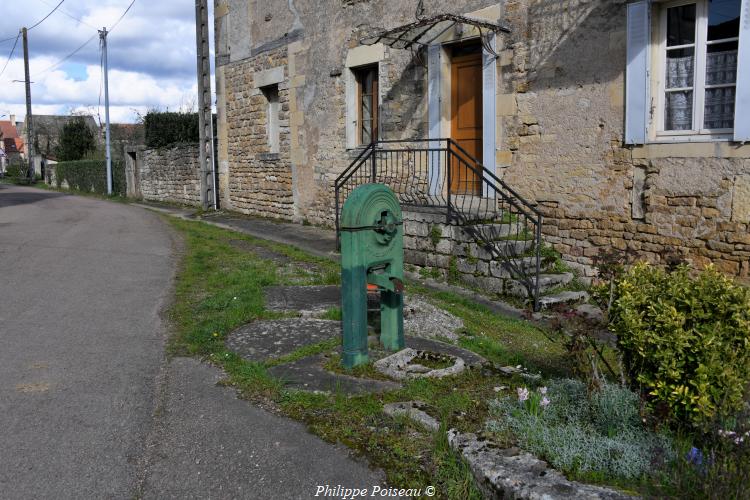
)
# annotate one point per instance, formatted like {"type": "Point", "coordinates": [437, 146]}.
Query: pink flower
{"type": "Point", "coordinates": [545, 402]}
{"type": "Point", "coordinates": [523, 394]}
{"type": "Point", "coordinates": [542, 391]}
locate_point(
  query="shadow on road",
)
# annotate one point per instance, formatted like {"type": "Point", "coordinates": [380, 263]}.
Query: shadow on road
{"type": "Point", "coordinates": [10, 197]}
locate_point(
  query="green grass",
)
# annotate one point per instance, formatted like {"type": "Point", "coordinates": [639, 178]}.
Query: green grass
{"type": "Point", "coordinates": [219, 287]}
{"type": "Point", "coordinates": [498, 338]}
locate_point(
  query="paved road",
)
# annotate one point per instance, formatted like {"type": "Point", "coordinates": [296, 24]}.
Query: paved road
{"type": "Point", "coordinates": [89, 406]}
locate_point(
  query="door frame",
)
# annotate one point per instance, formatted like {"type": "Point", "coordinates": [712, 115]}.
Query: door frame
{"type": "Point", "coordinates": [439, 105]}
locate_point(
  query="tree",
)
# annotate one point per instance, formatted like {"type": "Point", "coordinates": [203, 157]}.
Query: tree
{"type": "Point", "coordinates": [76, 139]}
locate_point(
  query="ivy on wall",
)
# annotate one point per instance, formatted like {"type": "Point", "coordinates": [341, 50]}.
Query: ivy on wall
{"type": "Point", "coordinates": [91, 176]}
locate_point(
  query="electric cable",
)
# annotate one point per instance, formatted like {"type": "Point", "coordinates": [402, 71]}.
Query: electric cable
{"type": "Point", "coordinates": [11, 55]}
{"type": "Point", "coordinates": [69, 15]}
{"type": "Point", "coordinates": [38, 22]}
{"type": "Point", "coordinates": [123, 15]}
{"type": "Point", "coordinates": [58, 63]}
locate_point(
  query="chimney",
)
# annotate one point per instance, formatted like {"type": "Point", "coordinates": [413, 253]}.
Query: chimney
{"type": "Point", "coordinates": [13, 120]}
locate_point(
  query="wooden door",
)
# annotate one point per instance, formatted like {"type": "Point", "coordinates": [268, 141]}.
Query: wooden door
{"type": "Point", "coordinates": [466, 118]}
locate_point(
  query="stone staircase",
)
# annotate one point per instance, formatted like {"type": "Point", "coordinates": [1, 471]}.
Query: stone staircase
{"type": "Point", "coordinates": [484, 256]}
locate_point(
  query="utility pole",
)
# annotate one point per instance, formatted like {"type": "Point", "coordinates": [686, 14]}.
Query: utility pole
{"type": "Point", "coordinates": [29, 128]}
{"type": "Point", "coordinates": [103, 38]}
{"type": "Point", "coordinates": [205, 116]}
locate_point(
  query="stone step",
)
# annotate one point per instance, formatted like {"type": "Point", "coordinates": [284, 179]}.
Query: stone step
{"type": "Point", "coordinates": [512, 267]}
{"type": "Point", "coordinates": [488, 232]}
{"type": "Point", "coordinates": [567, 297]}
{"type": "Point", "coordinates": [546, 282]}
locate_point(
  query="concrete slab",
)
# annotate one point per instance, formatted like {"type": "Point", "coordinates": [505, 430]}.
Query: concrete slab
{"type": "Point", "coordinates": [308, 374]}
{"type": "Point", "coordinates": [305, 299]}
{"type": "Point", "coordinates": [269, 339]}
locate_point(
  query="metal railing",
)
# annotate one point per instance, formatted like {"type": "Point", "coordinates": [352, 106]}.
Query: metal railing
{"type": "Point", "coordinates": [439, 173]}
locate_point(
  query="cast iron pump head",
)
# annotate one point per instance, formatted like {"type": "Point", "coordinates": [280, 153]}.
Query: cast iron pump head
{"type": "Point", "coordinates": [372, 252]}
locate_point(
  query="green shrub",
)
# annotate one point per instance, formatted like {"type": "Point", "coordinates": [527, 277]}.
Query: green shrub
{"type": "Point", "coordinates": [13, 170]}
{"type": "Point", "coordinates": [166, 128]}
{"type": "Point", "coordinates": [90, 176]}
{"type": "Point", "coordinates": [685, 341]}
{"type": "Point", "coordinates": [600, 434]}
{"type": "Point", "coordinates": [76, 140]}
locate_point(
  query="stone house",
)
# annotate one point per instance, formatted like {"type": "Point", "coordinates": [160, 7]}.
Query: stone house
{"type": "Point", "coordinates": [624, 123]}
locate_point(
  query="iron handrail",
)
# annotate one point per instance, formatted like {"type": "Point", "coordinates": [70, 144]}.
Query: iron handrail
{"type": "Point", "coordinates": [491, 185]}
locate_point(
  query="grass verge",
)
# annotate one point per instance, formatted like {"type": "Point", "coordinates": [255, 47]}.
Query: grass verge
{"type": "Point", "coordinates": [219, 287]}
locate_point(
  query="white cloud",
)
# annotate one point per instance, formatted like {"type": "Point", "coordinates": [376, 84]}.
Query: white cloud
{"type": "Point", "coordinates": [151, 57]}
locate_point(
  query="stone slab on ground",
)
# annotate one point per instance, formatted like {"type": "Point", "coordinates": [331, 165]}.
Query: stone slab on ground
{"type": "Point", "coordinates": [268, 339]}
{"type": "Point", "coordinates": [308, 374]}
{"type": "Point", "coordinates": [207, 443]}
{"type": "Point", "coordinates": [304, 299]}
{"type": "Point", "coordinates": [511, 473]}
{"type": "Point", "coordinates": [405, 364]}
{"type": "Point", "coordinates": [471, 359]}
{"type": "Point", "coordinates": [413, 410]}
{"type": "Point", "coordinates": [422, 319]}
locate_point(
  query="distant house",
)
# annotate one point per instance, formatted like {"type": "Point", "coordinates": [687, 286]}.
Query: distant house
{"type": "Point", "coordinates": [47, 130]}
{"type": "Point", "coordinates": [11, 144]}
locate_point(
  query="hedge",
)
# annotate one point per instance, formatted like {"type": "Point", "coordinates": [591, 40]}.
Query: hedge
{"type": "Point", "coordinates": [91, 176]}
{"type": "Point", "coordinates": [167, 128]}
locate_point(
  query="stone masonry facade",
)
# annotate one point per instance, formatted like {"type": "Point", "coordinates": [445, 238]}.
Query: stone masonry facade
{"type": "Point", "coordinates": [169, 174]}
{"type": "Point", "coordinates": [559, 106]}
{"type": "Point", "coordinates": [261, 181]}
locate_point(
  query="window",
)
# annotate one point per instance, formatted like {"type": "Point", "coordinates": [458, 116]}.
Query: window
{"type": "Point", "coordinates": [367, 104]}
{"type": "Point", "coordinates": [271, 94]}
{"type": "Point", "coordinates": [699, 48]}
{"type": "Point", "coordinates": [688, 71]}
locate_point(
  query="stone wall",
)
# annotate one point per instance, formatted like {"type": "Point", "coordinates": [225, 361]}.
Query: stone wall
{"type": "Point", "coordinates": [168, 174]}
{"type": "Point", "coordinates": [448, 252]}
{"type": "Point", "coordinates": [260, 182]}
{"type": "Point", "coordinates": [559, 125]}
{"type": "Point", "coordinates": [311, 40]}
{"type": "Point", "coordinates": [561, 104]}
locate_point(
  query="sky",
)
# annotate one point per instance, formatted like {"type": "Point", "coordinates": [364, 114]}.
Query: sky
{"type": "Point", "coordinates": [152, 62]}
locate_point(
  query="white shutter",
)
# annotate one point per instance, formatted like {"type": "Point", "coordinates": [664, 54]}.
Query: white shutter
{"type": "Point", "coordinates": [742, 99]}
{"type": "Point", "coordinates": [433, 111]}
{"type": "Point", "coordinates": [637, 74]}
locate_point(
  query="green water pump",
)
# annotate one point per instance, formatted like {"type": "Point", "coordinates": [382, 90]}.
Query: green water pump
{"type": "Point", "coordinates": [372, 252]}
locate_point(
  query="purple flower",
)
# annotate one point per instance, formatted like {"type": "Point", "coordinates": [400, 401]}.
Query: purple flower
{"type": "Point", "coordinates": [542, 391]}
{"type": "Point", "coordinates": [694, 456]}
{"type": "Point", "coordinates": [544, 402]}
{"type": "Point", "coordinates": [523, 394]}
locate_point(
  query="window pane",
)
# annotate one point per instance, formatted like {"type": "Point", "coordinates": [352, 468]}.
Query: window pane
{"type": "Point", "coordinates": [719, 108]}
{"type": "Point", "coordinates": [681, 25]}
{"type": "Point", "coordinates": [678, 114]}
{"type": "Point", "coordinates": [680, 68]}
{"type": "Point", "coordinates": [723, 19]}
{"type": "Point", "coordinates": [721, 63]}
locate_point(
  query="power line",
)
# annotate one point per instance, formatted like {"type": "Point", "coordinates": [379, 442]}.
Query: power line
{"type": "Point", "coordinates": [38, 22]}
{"type": "Point", "coordinates": [77, 19]}
{"type": "Point", "coordinates": [58, 63]}
{"type": "Point", "coordinates": [45, 17]}
{"type": "Point", "coordinates": [123, 15]}
{"type": "Point", "coordinates": [11, 55]}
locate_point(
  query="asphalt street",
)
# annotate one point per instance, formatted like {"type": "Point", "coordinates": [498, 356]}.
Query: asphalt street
{"type": "Point", "coordinates": [90, 407]}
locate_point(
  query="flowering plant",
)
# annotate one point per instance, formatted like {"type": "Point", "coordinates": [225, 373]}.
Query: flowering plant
{"type": "Point", "coordinates": [533, 402]}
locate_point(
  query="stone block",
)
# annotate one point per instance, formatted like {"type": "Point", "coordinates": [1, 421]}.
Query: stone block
{"type": "Point", "coordinates": [741, 199]}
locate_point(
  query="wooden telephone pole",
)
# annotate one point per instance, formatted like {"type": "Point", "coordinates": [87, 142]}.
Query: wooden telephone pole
{"type": "Point", "coordinates": [29, 128]}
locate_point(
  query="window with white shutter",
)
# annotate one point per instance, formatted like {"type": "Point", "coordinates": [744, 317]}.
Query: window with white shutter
{"type": "Point", "coordinates": [688, 73]}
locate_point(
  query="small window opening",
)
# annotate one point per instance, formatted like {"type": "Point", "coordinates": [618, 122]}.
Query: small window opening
{"type": "Point", "coordinates": [271, 94]}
